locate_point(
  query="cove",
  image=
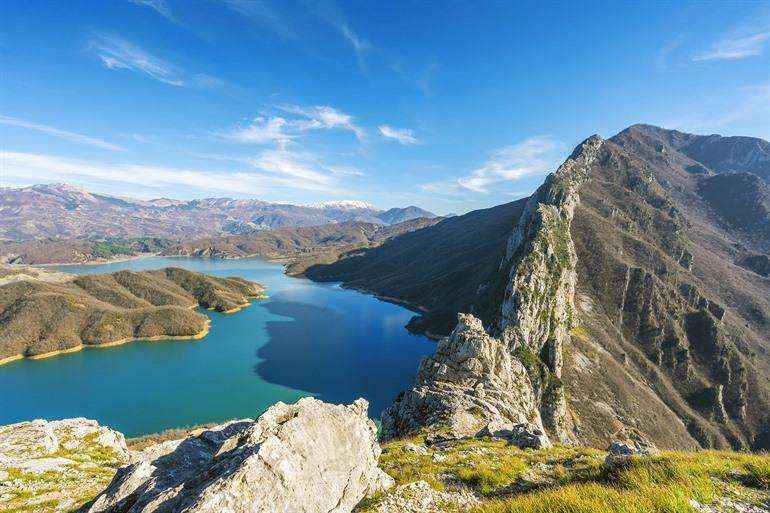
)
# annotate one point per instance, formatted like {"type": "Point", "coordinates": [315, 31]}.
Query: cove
{"type": "Point", "coordinates": [307, 338]}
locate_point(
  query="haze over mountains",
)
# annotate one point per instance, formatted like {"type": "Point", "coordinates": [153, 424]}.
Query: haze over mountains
{"type": "Point", "coordinates": [67, 211]}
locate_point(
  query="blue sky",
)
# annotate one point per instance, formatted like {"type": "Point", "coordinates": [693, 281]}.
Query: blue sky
{"type": "Point", "coordinates": [448, 105]}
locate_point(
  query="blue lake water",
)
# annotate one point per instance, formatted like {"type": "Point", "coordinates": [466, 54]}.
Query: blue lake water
{"type": "Point", "coordinates": [307, 338]}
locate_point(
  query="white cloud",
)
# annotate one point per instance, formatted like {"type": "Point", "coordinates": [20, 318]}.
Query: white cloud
{"type": "Point", "coordinates": [58, 132]}
{"type": "Point", "coordinates": [323, 117]}
{"type": "Point", "coordinates": [402, 135]}
{"type": "Point", "coordinates": [329, 11]}
{"type": "Point", "coordinates": [270, 171]}
{"type": "Point", "coordinates": [160, 6]}
{"type": "Point", "coordinates": [118, 54]}
{"type": "Point", "coordinates": [279, 129]}
{"type": "Point", "coordinates": [532, 157]}
{"type": "Point", "coordinates": [746, 40]}
{"type": "Point", "coordinates": [261, 130]}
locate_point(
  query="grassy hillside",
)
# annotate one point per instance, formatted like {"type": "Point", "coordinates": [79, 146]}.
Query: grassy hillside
{"type": "Point", "coordinates": [39, 317]}
{"type": "Point", "coordinates": [485, 475]}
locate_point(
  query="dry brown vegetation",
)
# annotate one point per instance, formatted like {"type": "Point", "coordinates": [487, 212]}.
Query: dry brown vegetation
{"type": "Point", "coordinates": [39, 317]}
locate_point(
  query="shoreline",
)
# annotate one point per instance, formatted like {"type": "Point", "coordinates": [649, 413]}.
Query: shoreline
{"type": "Point", "coordinates": [154, 338]}
{"type": "Point", "coordinates": [118, 260]}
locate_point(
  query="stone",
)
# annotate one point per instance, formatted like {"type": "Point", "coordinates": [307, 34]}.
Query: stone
{"type": "Point", "coordinates": [306, 457]}
{"type": "Point", "coordinates": [447, 396]}
{"type": "Point", "coordinates": [621, 452]}
{"type": "Point", "coordinates": [529, 436]}
{"type": "Point", "coordinates": [420, 450]}
{"type": "Point", "coordinates": [419, 497]}
{"type": "Point", "coordinates": [56, 462]}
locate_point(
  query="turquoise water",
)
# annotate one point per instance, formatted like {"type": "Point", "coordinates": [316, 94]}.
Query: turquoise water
{"type": "Point", "coordinates": [306, 339]}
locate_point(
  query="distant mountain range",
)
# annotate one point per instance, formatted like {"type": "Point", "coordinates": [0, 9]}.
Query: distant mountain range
{"type": "Point", "coordinates": [69, 212]}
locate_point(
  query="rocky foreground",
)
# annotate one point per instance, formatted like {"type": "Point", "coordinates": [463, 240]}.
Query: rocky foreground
{"type": "Point", "coordinates": [316, 457]}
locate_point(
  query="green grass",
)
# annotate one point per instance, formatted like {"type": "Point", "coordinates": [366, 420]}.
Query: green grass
{"type": "Point", "coordinates": [574, 480]}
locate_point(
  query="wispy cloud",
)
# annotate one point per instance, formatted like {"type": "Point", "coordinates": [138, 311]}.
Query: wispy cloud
{"type": "Point", "coordinates": [330, 12]}
{"type": "Point", "coordinates": [280, 129]}
{"type": "Point", "coordinates": [532, 157]}
{"type": "Point", "coordinates": [747, 40]}
{"type": "Point", "coordinates": [263, 129]}
{"type": "Point", "coordinates": [270, 171]}
{"type": "Point", "coordinates": [324, 117]}
{"type": "Point", "coordinates": [402, 135]}
{"type": "Point", "coordinates": [118, 54]}
{"type": "Point", "coordinates": [160, 6]}
{"type": "Point", "coordinates": [58, 132]}
{"type": "Point", "coordinates": [262, 13]}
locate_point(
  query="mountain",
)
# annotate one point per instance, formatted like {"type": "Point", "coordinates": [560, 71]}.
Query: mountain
{"type": "Point", "coordinates": [299, 247]}
{"type": "Point", "coordinates": [44, 312]}
{"type": "Point", "coordinates": [626, 294]}
{"type": "Point", "coordinates": [438, 268]}
{"type": "Point", "coordinates": [69, 212]}
{"type": "Point", "coordinates": [399, 215]}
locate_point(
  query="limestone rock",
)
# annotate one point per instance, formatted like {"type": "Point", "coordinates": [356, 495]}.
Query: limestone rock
{"type": "Point", "coordinates": [419, 497]}
{"type": "Point", "coordinates": [306, 457]}
{"type": "Point", "coordinates": [621, 452]}
{"type": "Point", "coordinates": [471, 380]}
{"type": "Point", "coordinates": [420, 450]}
{"type": "Point", "coordinates": [60, 463]}
{"type": "Point", "coordinates": [525, 436]}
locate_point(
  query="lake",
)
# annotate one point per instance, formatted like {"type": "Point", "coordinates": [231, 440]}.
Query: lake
{"type": "Point", "coordinates": [307, 338]}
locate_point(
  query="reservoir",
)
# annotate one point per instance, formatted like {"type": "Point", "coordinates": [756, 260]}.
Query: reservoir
{"type": "Point", "coordinates": [307, 338]}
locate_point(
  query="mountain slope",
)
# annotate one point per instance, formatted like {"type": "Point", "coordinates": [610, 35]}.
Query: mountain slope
{"type": "Point", "coordinates": [441, 269]}
{"type": "Point", "coordinates": [66, 211]}
{"type": "Point", "coordinates": [39, 314]}
{"type": "Point", "coordinates": [631, 299]}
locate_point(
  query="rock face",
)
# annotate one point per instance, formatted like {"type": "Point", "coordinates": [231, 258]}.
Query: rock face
{"type": "Point", "coordinates": [306, 457]}
{"type": "Point", "coordinates": [475, 378]}
{"type": "Point", "coordinates": [58, 465]}
{"type": "Point", "coordinates": [471, 380]}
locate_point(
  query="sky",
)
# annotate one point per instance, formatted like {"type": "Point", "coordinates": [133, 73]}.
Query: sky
{"type": "Point", "coordinates": [448, 105]}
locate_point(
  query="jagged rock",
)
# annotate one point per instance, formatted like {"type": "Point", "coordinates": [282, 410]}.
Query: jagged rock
{"type": "Point", "coordinates": [420, 450]}
{"type": "Point", "coordinates": [471, 380]}
{"type": "Point", "coordinates": [621, 452]}
{"type": "Point", "coordinates": [306, 457]}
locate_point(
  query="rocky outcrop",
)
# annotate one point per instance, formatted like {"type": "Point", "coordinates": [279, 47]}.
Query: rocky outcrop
{"type": "Point", "coordinates": [58, 465]}
{"type": "Point", "coordinates": [306, 457]}
{"type": "Point", "coordinates": [472, 379]}
{"type": "Point", "coordinates": [511, 373]}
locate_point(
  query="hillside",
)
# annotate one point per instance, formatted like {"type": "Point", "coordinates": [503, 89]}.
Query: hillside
{"type": "Point", "coordinates": [440, 268]}
{"type": "Point", "coordinates": [77, 251]}
{"type": "Point", "coordinates": [69, 212]}
{"type": "Point", "coordinates": [301, 246]}
{"type": "Point", "coordinates": [45, 313]}
{"type": "Point", "coordinates": [627, 296]}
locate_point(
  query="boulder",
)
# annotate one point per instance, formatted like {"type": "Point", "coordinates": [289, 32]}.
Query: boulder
{"type": "Point", "coordinates": [622, 452]}
{"type": "Point", "coordinates": [524, 435]}
{"type": "Point", "coordinates": [420, 450]}
{"type": "Point", "coordinates": [306, 457]}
